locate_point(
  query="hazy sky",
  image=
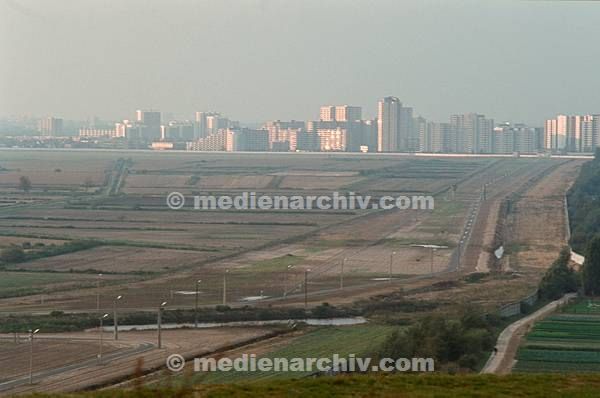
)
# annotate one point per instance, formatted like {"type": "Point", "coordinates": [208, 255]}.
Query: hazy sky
{"type": "Point", "coordinates": [259, 60]}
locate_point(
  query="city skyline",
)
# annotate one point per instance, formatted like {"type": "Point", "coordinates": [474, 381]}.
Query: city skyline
{"type": "Point", "coordinates": [181, 57]}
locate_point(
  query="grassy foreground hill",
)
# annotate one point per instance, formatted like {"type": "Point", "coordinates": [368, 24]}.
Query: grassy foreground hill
{"type": "Point", "coordinates": [432, 385]}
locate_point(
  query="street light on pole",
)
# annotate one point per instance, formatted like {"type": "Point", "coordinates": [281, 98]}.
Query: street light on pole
{"type": "Point", "coordinates": [31, 334]}
{"type": "Point", "coordinates": [391, 262]}
{"type": "Point", "coordinates": [433, 248]}
{"type": "Point", "coordinates": [225, 287]}
{"type": "Point", "coordinates": [115, 317]}
{"type": "Point", "coordinates": [342, 274]}
{"type": "Point", "coordinates": [306, 271]}
{"type": "Point", "coordinates": [159, 322]}
{"type": "Point", "coordinates": [98, 292]}
{"type": "Point", "coordinates": [196, 305]}
{"type": "Point", "coordinates": [102, 318]}
{"type": "Point", "coordinates": [286, 278]}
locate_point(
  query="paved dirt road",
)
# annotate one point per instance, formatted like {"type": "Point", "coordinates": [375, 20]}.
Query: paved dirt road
{"type": "Point", "coordinates": [509, 340]}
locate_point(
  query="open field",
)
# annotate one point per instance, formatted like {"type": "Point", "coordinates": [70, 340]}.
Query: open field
{"type": "Point", "coordinates": [148, 253]}
{"type": "Point", "coordinates": [133, 347]}
{"type": "Point", "coordinates": [568, 341]}
{"type": "Point", "coordinates": [320, 343]}
{"type": "Point", "coordinates": [14, 283]}
{"type": "Point", "coordinates": [139, 235]}
{"type": "Point", "coordinates": [49, 354]}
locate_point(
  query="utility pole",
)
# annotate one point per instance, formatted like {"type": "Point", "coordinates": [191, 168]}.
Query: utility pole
{"type": "Point", "coordinates": [115, 316]}
{"type": "Point", "coordinates": [31, 334]}
{"type": "Point", "coordinates": [286, 278]}
{"type": "Point", "coordinates": [196, 305]}
{"type": "Point", "coordinates": [98, 293]}
{"type": "Point", "coordinates": [159, 323]}
{"type": "Point", "coordinates": [391, 260]}
{"type": "Point", "coordinates": [101, 337]}
{"type": "Point", "coordinates": [225, 287]}
{"type": "Point", "coordinates": [306, 271]}
{"type": "Point", "coordinates": [342, 274]}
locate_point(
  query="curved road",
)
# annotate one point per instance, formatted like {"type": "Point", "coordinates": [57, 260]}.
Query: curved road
{"type": "Point", "coordinates": [509, 340]}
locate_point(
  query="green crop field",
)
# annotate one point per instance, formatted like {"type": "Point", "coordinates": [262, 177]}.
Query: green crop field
{"type": "Point", "coordinates": [21, 283]}
{"type": "Point", "coordinates": [319, 343]}
{"type": "Point", "coordinates": [566, 342]}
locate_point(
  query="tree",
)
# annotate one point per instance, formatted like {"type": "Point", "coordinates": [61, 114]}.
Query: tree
{"type": "Point", "coordinates": [559, 279]}
{"type": "Point", "coordinates": [12, 254]}
{"type": "Point", "coordinates": [88, 183]}
{"type": "Point", "coordinates": [591, 268]}
{"type": "Point", "coordinates": [24, 184]}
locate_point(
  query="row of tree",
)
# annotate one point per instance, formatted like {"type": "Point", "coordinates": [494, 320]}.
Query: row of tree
{"type": "Point", "coordinates": [584, 215]}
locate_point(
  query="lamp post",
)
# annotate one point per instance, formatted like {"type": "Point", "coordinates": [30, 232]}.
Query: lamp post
{"type": "Point", "coordinates": [306, 271]}
{"type": "Point", "coordinates": [433, 248]}
{"type": "Point", "coordinates": [286, 279]}
{"type": "Point", "coordinates": [225, 287]}
{"type": "Point", "coordinates": [98, 292]}
{"type": "Point", "coordinates": [391, 261]}
{"type": "Point", "coordinates": [115, 317]}
{"type": "Point", "coordinates": [31, 334]}
{"type": "Point", "coordinates": [196, 305]}
{"type": "Point", "coordinates": [159, 322]}
{"type": "Point", "coordinates": [342, 274]}
{"type": "Point", "coordinates": [101, 338]}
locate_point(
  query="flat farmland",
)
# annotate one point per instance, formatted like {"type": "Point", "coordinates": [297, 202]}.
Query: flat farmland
{"type": "Point", "coordinates": [48, 354]}
{"type": "Point", "coordinates": [13, 283]}
{"type": "Point", "coordinates": [136, 233]}
{"type": "Point", "coordinates": [50, 171]}
{"type": "Point", "coordinates": [566, 342]}
{"type": "Point", "coordinates": [117, 260]}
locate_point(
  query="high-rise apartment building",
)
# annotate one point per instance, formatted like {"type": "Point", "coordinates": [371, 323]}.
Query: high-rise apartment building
{"type": "Point", "coordinates": [208, 123]}
{"type": "Point", "coordinates": [436, 137]}
{"type": "Point", "coordinates": [473, 133]}
{"type": "Point", "coordinates": [571, 133]}
{"type": "Point", "coordinates": [178, 131]}
{"type": "Point", "coordinates": [149, 124]}
{"type": "Point", "coordinates": [50, 126]}
{"type": "Point", "coordinates": [517, 138]}
{"type": "Point", "coordinates": [388, 124]}
{"type": "Point", "coordinates": [395, 132]}
{"type": "Point", "coordinates": [250, 140]}
{"type": "Point", "coordinates": [283, 135]}
{"type": "Point", "coordinates": [340, 113]}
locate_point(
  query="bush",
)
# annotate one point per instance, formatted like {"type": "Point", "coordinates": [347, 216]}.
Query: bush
{"type": "Point", "coordinates": [12, 254]}
{"type": "Point", "coordinates": [464, 341]}
{"type": "Point", "coordinates": [559, 279]}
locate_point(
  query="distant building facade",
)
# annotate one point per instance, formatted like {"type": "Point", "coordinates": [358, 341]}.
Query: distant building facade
{"type": "Point", "coordinates": [50, 126]}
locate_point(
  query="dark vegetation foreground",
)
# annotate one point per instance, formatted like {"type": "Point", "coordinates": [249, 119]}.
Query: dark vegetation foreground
{"type": "Point", "coordinates": [437, 385]}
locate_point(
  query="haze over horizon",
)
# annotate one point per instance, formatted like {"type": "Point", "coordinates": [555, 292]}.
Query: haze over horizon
{"type": "Point", "coordinates": [261, 60]}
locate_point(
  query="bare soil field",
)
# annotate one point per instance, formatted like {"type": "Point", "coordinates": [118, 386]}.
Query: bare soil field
{"type": "Point", "coordinates": [250, 243]}
{"type": "Point", "coordinates": [189, 343]}
{"type": "Point", "coordinates": [537, 226]}
{"type": "Point", "coordinates": [48, 354]}
{"type": "Point", "coordinates": [118, 259]}
{"type": "Point", "coordinates": [266, 254]}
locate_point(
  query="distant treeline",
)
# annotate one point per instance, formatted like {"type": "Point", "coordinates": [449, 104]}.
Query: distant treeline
{"type": "Point", "coordinates": [584, 205]}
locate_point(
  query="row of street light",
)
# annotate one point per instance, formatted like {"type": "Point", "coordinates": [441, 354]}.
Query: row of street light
{"type": "Point", "coordinates": [163, 304]}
